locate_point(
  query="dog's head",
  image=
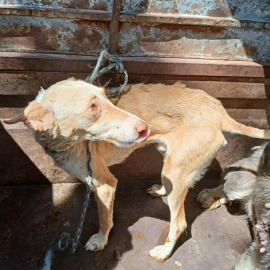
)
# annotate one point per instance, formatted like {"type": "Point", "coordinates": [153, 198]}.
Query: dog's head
{"type": "Point", "coordinates": [78, 110]}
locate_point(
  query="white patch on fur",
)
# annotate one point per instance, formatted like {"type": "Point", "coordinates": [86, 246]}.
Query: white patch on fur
{"type": "Point", "coordinates": [96, 242]}
{"type": "Point", "coordinates": [225, 143]}
{"type": "Point", "coordinates": [248, 208]}
{"type": "Point", "coordinates": [162, 148]}
{"type": "Point", "coordinates": [162, 252]}
{"type": "Point", "coordinates": [234, 132]}
{"type": "Point", "coordinates": [156, 191]}
{"type": "Point", "coordinates": [256, 147]}
{"type": "Point", "coordinates": [40, 95]}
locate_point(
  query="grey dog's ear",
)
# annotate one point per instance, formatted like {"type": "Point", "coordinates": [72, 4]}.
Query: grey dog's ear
{"type": "Point", "coordinates": [35, 117]}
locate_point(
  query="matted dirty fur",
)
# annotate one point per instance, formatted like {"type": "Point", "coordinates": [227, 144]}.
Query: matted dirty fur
{"type": "Point", "coordinates": [187, 126]}
{"type": "Point", "coordinates": [248, 181]}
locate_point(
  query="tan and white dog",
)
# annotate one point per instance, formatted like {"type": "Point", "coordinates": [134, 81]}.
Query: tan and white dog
{"type": "Point", "coordinates": [185, 124]}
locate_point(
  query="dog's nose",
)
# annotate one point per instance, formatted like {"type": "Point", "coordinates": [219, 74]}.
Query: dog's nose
{"type": "Point", "coordinates": [142, 129]}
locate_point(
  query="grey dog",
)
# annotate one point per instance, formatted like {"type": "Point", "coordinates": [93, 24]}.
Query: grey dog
{"type": "Point", "coordinates": [248, 182]}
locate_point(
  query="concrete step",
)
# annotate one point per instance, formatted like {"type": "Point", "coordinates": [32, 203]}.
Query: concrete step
{"type": "Point", "coordinates": [31, 217]}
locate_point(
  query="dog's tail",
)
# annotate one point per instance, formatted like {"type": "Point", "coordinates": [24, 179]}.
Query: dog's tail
{"type": "Point", "coordinates": [232, 126]}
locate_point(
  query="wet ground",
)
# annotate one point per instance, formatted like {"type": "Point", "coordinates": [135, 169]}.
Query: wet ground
{"type": "Point", "coordinates": [31, 217]}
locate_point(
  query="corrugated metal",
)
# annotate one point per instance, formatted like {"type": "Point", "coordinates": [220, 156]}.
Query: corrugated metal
{"type": "Point", "coordinates": [212, 29]}
{"type": "Point", "coordinates": [52, 35]}
{"type": "Point", "coordinates": [188, 41]}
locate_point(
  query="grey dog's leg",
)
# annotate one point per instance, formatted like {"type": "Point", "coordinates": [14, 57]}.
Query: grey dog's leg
{"type": "Point", "coordinates": [212, 198]}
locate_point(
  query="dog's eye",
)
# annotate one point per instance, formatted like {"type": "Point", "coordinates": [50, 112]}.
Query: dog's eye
{"type": "Point", "coordinates": [93, 107]}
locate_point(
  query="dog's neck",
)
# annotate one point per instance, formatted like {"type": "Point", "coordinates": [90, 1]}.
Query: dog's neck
{"type": "Point", "coordinates": [56, 144]}
{"type": "Point", "coordinates": [59, 148]}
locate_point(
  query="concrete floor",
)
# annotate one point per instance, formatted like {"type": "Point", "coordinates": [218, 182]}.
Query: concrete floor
{"type": "Point", "coordinates": [32, 216]}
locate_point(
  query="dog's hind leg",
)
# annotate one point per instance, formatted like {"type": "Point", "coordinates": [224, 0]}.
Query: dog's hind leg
{"type": "Point", "coordinates": [180, 171]}
{"type": "Point", "coordinates": [176, 198]}
{"type": "Point", "coordinates": [104, 191]}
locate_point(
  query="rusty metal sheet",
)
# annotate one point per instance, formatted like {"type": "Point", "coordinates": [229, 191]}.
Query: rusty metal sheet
{"type": "Point", "coordinates": [24, 162]}
{"type": "Point", "coordinates": [222, 87]}
{"type": "Point", "coordinates": [13, 61]}
{"type": "Point", "coordinates": [29, 83]}
{"type": "Point", "coordinates": [189, 7]}
{"type": "Point", "coordinates": [196, 67]}
{"type": "Point", "coordinates": [178, 31]}
{"type": "Point", "coordinates": [75, 4]}
{"type": "Point", "coordinates": [52, 35]}
{"type": "Point", "coordinates": [239, 9]}
{"type": "Point", "coordinates": [194, 42]}
{"type": "Point", "coordinates": [250, 114]}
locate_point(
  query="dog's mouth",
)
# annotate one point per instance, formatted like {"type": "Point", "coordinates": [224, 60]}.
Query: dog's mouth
{"type": "Point", "coordinates": [142, 135]}
{"type": "Point", "coordinates": [128, 142]}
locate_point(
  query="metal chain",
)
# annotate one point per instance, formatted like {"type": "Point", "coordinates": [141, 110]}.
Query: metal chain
{"type": "Point", "coordinates": [64, 240]}
{"type": "Point", "coordinates": [86, 199]}
{"type": "Point", "coordinates": [114, 62]}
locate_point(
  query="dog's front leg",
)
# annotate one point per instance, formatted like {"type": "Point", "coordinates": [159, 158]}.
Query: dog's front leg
{"type": "Point", "coordinates": [104, 189]}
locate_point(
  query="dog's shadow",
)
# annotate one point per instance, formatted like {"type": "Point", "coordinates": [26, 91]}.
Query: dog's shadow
{"type": "Point", "coordinates": [22, 202]}
{"type": "Point", "coordinates": [140, 223]}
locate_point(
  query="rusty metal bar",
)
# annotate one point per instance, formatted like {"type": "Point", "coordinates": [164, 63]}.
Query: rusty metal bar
{"type": "Point", "coordinates": [11, 61]}
{"type": "Point", "coordinates": [191, 20]}
{"type": "Point", "coordinates": [114, 26]}
{"type": "Point", "coordinates": [70, 13]}
{"type": "Point", "coordinates": [219, 87]}
{"type": "Point", "coordinates": [99, 15]}
{"type": "Point", "coordinates": [180, 19]}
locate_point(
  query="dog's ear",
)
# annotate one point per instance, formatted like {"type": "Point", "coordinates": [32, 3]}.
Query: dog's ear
{"type": "Point", "coordinates": [35, 117]}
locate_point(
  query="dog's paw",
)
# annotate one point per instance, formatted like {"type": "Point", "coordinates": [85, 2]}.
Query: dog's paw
{"type": "Point", "coordinates": [210, 199]}
{"type": "Point", "coordinates": [205, 197]}
{"type": "Point", "coordinates": [160, 253]}
{"type": "Point", "coordinates": [96, 242]}
{"type": "Point", "coordinates": [156, 191]}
